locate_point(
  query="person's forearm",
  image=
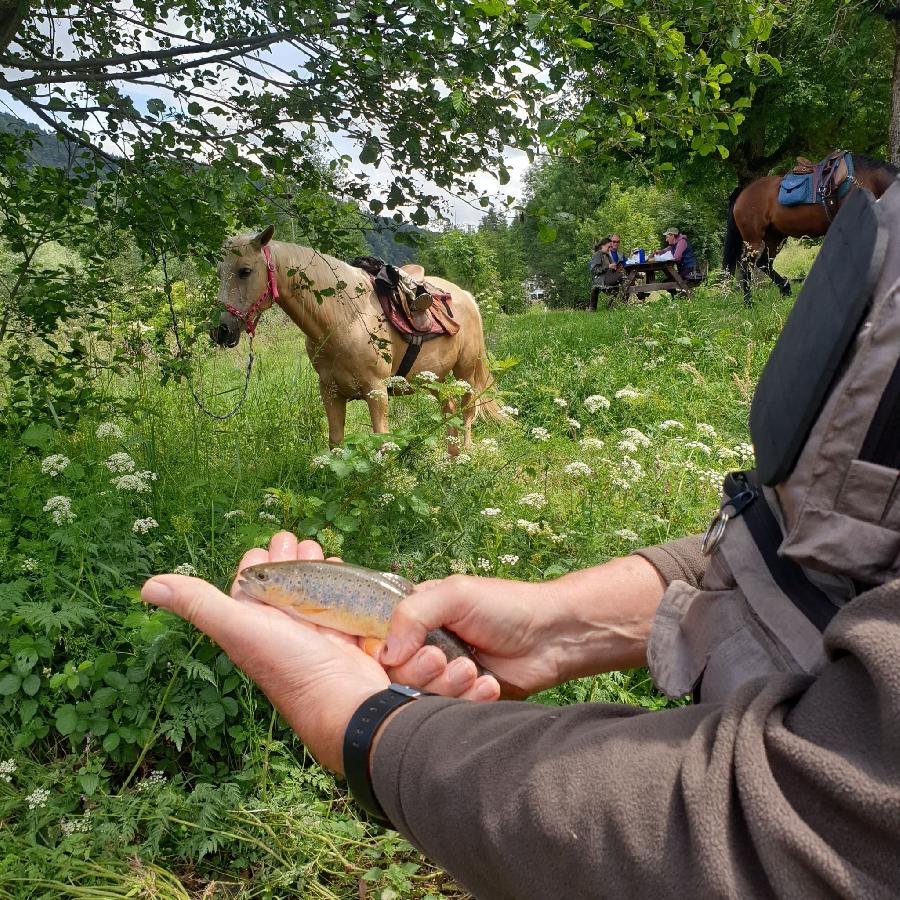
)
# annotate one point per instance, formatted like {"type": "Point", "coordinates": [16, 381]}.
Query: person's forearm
{"type": "Point", "coordinates": [603, 616]}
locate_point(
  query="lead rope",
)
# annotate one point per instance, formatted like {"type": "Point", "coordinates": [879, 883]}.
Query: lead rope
{"type": "Point", "coordinates": [181, 353]}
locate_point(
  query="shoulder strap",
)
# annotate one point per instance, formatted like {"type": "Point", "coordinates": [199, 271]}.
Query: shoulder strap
{"type": "Point", "coordinates": [813, 602]}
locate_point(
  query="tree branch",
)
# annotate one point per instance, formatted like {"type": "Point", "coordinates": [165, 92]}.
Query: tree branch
{"type": "Point", "coordinates": [12, 14]}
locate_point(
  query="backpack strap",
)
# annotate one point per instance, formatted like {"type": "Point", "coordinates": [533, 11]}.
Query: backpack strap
{"type": "Point", "coordinates": [813, 602]}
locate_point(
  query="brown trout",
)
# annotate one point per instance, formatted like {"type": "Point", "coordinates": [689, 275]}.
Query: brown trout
{"type": "Point", "coordinates": [342, 596]}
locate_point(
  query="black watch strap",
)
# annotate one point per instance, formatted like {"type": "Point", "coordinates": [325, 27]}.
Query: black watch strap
{"type": "Point", "coordinates": [358, 744]}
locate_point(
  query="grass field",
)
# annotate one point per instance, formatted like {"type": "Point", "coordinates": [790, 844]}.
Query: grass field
{"type": "Point", "coordinates": [136, 760]}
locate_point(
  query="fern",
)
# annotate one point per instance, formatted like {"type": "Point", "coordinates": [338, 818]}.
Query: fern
{"type": "Point", "coordinates": [42, 615]}
{"type": "Point", "coordinates": [198, 671]}
{"type": "Point", "coordinates": [12, 593]}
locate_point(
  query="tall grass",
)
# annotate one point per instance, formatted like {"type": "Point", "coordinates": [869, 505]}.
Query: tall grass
{"type": "Point", "coordinates": [622, 425]}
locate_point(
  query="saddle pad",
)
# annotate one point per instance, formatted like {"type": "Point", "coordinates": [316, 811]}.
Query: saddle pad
{"type": "Point", "coordinates": [796, 189]}
{"type": "Point", "coordinates": [440, 316]}
{"type": "Point", "coordinates": [808, 353]}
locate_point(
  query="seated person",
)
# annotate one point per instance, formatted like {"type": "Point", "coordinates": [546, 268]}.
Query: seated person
{"type": "Point", "coordinates": [617, 256]}
{"type": "Point", "coordinates": [682, 253]}
{"type": "Point", "coordinates": [604, 275]}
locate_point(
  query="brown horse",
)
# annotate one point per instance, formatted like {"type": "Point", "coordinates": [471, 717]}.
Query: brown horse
{"type": "Point", "coordinates": [758, 224]}
{"type": "Point", "coordinates": [351, 347]}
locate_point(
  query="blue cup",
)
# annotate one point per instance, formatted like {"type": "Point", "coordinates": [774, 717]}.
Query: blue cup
{"type": "Point", "coordinates": [641, 256]}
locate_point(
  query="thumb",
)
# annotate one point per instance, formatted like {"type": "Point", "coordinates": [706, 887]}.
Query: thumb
{"type": "Point", "coordinates": [198, 602]}
{"type": "Point", "coordinates": [441, 603]}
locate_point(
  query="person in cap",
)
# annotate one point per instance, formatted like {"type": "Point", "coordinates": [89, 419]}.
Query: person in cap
{"type": "Point", "coordinates": [682, 252]}
{"type": "Point", "coordinates": [605, 275]}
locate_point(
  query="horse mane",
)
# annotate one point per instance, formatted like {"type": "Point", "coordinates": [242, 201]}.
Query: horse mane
{"type": "Point", "coordinates": [869, 162]}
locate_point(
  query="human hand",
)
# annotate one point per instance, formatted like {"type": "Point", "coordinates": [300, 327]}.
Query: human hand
{"type": "Point", "coordinates": [515, 627]}
{"type": "Point", "coordinates": [315, 677]}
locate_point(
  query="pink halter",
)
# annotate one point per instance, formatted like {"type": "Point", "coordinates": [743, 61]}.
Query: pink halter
{"type": "Point", "coordinates": [251, 317]}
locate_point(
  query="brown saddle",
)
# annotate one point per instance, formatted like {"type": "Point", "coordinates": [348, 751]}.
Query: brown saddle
{"type": "Point", "coordinates": [829, 175]}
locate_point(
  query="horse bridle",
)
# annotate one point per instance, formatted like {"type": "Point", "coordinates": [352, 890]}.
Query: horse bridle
{"type": "Point", "coordinates": [251, 317]}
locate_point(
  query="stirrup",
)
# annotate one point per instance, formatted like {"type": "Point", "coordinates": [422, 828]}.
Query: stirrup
{"type": "Point", "coordinates": [422, 302]}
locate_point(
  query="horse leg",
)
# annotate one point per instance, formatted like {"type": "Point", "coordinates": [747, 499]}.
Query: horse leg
{"type": "Point", "coordinates": [766, 262]}
{"type": "Point", "coordinates": [377, 402]}
{"type": "Point", "coordinates": [336, 413]}
{"type": "Point", "coordinates": [449, 408]}
{"type": "Point", "coordinates": [745, 279]}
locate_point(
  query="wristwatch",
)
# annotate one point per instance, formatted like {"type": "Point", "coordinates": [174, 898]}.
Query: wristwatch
{"type": "Point", "coordinates": [358, 744]}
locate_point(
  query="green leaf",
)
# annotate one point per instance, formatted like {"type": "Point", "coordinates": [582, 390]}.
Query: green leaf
{"type": "Point", "coordinates": [9, 684]}
{"type": "Point", "coordinates": [31, 685]}
{"type": "Point", "coordinates": [37, 435]}
{"type": "Point", "coordinates": [66, 719]}
{"type": "Point", "coordinates": [580, 42]}
{"type": "Point", "coordinates": [89, 782]}
{"type": "Point", "coordinates": [370, 152]}
{"type": "Point", "coordinates": [111, 741]}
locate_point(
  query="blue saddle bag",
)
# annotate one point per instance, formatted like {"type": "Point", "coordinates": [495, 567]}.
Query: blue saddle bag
{"type": "Point", "coordinates": [795, 189]}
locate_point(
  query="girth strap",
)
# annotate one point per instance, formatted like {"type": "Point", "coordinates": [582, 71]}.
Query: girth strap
{"type": "Point", "coordinates": [409, 358]}
{"type": "Point", "coordinates": [814, 603]}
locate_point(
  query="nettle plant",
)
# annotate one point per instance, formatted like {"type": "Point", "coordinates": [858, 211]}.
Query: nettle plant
{"type": "Point", "coordinates": [83, 659]}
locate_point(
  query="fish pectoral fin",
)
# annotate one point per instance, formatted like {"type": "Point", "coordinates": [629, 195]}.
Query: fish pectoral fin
{"type": "Point", "coordinates": [372, 646]}
{"type": "Point", "coordinates": [312, 610]}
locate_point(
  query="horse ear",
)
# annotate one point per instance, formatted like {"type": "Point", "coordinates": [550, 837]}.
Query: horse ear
{"type": "Point", "coordinates": [264, 237]}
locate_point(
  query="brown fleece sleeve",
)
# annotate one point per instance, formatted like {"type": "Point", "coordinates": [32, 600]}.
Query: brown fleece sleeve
{"type": "Point", "coordinates": [791, 788]}
{"type": "Point", "coordinates": [678, 560]}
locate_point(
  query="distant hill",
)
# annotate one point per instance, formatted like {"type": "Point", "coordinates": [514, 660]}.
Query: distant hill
{"type": "Point", "coordinates": [48, 150]}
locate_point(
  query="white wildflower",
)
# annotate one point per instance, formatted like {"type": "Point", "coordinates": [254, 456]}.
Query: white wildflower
{"type": "Point", "coordinates": [109, 430]}
{"type": "Point", "coordinates": [119, 463]}
{"type": "Point", "coordinates": [698, 445]}
{"type": "Point", "coordinates": [595, 403]}
{"type": "Point", "coordinates": [745, 451]}
{"type": "Point", "coordinates": [632, 468]}
{"type": "Point", "coordinates": [591, 443]}
{"type": "Point", "coordinates": [626, 534]}
{"type": "Point", "coordinates": [562, 404]}
{"type": "Point", "coordinates": [60, 508]}
{"type": "Point", "coordinates": [270, 500]}
{"type": "Point", "coordinates": [726, 453]}
{"type": "Point", "coordinates": [670, 424]}
{"type": "Point", "coordinates": [651, 343]}
{"type": "Point", "coordinates": [185, 569]}
{"type": "Point", "coordinates": [320, 461]}
{"type": "Point", "coordinates": [233, 514]}
{"type": "Point", "coordinates": [385, 499]}
{"type": "Point", "coordinates": [427, 376]}
{"type": "Point", "coordinates": [142, 526]}
{"type": "Point", "coordinates": [627, 393]}
{"type": "Point", "coordinates": [508, 559]}
{"type": "Point", "coordinates": [133, 482]}
{"type": "Point", "coordinates": [268, 517]}
{"type": "Point", "coordinates": [636, 435]}
{"type": "Point", "coordinates": [458, 566]}
{"type": "Point", "coordinates": [529, 527]}
{"type": "Point", "coordinates": [342, 452]}
{"type": "Point", "coordinates": [397, 381]}
{"type": "Point", "coordinates": [540, 434]}
{"type": "Point", "coordinates": [462, 459]}
{"type": "Point", "coordinates": [708, 430]}
{"type": "Point", "coordinates": [389, 447]}
{"type": "Point", "coordinates": [30, 565]}
{"type": "Point", "coordinates": [711, 479]}
{"type": "Point", "coordinates": [535, 500]}
{"type": "Point", "coordinates": [491, 511]}
{"type": "Point", "coordinates": [484, 564]}
{"type": "Point", "coordinates": [459, 383]}
{"type": "Point", "coordinates": [490, 445]}
{"type": "Point", "coordinates": [55, 464]}
{"type": "Point", "coordinates": [557, 538]}
{"type": "Point", "coordinates": [578, 468]}
{"type": "Point", "coordinates": [38, 798]}
{"type": "Point", "coordinates": [7, 770]}
{"type": "Point", "coordinates": [510, 410]}
{"type": "Point", "coordinates": [628, 446]}
{"type": "Point", "coordinates": [574, 424]}
{"type": "Point", "coordinates": [684, 340]}
{"type": "Point", "coordinates": [154, 779]}
{"type": "Point", "coordinates": [375, 393]}
{"type": "Point", "coordinates": [76, 826]}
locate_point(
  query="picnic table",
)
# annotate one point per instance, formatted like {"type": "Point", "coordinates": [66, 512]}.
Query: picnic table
{"type": "Point", "coordinates": [658, 275]}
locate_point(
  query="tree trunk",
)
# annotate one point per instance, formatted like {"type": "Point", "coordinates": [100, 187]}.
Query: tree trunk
{"type": "Point", "coordinates": [894, 127]}
{"type": "Point", "coordinates": [12, 14]}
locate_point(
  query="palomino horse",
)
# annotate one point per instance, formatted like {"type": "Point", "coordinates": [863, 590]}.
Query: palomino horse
{"type": "Point", "coordinates": [758, 224]}
{"type": "Point", "coordinates": [351, 347]}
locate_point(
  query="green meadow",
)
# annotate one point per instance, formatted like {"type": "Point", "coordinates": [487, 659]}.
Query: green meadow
{"type": "Point", "coordinates": [136, 760]}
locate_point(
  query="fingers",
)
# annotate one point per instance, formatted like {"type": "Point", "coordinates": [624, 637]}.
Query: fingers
{"type": "Point", "coordinates": [428, 670]}
{"type": "Point", "coordinates": [283, 547]}
{"type": "Point", "coordinates": [251, 558]}
{"type": "Point", "coordinates": [441, 605]}
{"type": "Point", "coordinates": [200, 603]}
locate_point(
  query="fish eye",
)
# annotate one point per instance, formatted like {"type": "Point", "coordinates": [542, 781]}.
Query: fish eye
{"type": "Point", "coordinates": [261, 575]}
{"type": "Point", "coordinates": [244, 272]}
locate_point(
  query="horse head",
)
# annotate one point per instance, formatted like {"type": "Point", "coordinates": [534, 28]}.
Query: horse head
{"type": "Point", "coordinates": [246, 286]}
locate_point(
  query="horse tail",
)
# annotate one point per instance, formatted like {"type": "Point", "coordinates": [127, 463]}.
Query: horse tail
{"type": "Point", "coordinates": [486, 406]}
{"type": "Point", "coordinates": [734, 243]}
